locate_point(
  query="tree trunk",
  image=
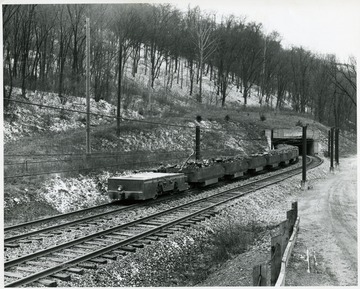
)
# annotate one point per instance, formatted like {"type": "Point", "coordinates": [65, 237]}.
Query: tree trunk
{"type": "Point", "coordinates": [191, 77]}
{"type": "Point", "coordinates": [119, 89]}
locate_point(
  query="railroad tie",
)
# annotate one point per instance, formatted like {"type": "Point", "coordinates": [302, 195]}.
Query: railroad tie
{"type": "Point", "coordinates": [153, 224]}
{"type": "Point", "coordinates": [122, 253]}
{"type": "Point", "coordinates": [137, 245]}
{"type": "Point", "coordinates": [99, 260]}
{"type": "Point", "coordinates": [77, 252]}
{"type": "Point", "coordinates": [168, 231]}
{"type": "Point", "coordinates": [109, 256]}
{"type": "Point", "coordinates": [11, 245]}
{"type": "Point", "coordinates": [84, 247]}
{"type": "Point", "coordinates": [25, 269]}
{"type": "Point", "coordinates": [64, 255]}
{"type": "Point", "coordinates": [57, 260]}
{"type": "Point", "coordinates": [47, 282]}
{"type": "Point", "coordinates": [161, 235]}
{"type": "Point", "coordinates": [152, 238]}
{"type": "Point", "coordinates": [46, 235]}
{"type": "Point", "coordinates": [13, 275]}
{"type": "Point", "coordinates": [117, 238]}
{"type": "Point", "coordinates": [122, 234]}
{"type": "Point", "coordinates": [62, 276]}
{"type": "Point", "coordinates": [35, 263]}
{"type": "Point", "coordinates": [128, 248]}
{"type": "Point", "coordinates": [25, 241]}
{"type": "Point", "coordinates": [94, 243]}
{"type": "Point", "coordinates": [146, 242]}
{"type": "Point", "coordinates": [178, 227]}
{"type": "Point", "coordinates": [201, 218]}
{"type": "Point", "coordinates": [88, 266]}
{"type": "Point", "coordinates": [37, 239]}
{"type": "Point", "coordinates": [75, 271]}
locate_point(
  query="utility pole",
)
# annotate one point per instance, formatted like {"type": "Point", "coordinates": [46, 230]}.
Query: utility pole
{"type": "Point", "coordinates": [337, 146]}
{"type": "Point", "coordinates": [304, 152]}
{"type": "Point", "coordinates": [197, 143]}
{"type": "Point", "coordinates": [88, 147]}
{"type": "Point", "coordinates": [332, 150]}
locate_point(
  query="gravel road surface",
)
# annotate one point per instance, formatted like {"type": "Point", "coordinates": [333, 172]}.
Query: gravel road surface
{"type": "Point", "coordinates": [326, 251]}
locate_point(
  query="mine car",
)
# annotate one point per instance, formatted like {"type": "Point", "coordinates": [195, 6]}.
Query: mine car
{"type": "Point", "coordinates": [143, 186]}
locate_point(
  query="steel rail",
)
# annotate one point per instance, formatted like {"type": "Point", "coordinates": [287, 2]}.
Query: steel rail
{"type": "Point", "coordinates": [21, 225]}
{"type": "Point", "coordinates": [54, 227]}
{"type": "Point", "coordinates": [109, 248]}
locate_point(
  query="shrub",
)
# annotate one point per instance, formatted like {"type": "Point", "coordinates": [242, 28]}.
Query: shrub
{"type": "Point", "coordinates": [262, 117]}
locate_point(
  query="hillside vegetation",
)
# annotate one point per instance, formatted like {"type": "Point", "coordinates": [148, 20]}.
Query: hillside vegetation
{"type": "Point", "coordinates": [159, 45]}
{"type": "Point", "coordinates": [47, 171]}
{"type": "Point", "coordinates": [163, 92]}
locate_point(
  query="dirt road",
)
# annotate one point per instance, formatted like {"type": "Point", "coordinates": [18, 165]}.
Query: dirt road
{"type": "Point", "coordinates": [326, 251]}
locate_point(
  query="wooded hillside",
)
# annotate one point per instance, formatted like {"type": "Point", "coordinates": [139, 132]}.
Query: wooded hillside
{"type": "Point", "coordinates": [44, 49]}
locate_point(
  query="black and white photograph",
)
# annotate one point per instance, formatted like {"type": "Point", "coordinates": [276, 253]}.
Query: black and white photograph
{"type": "Point", "coordinates": [179, 143]}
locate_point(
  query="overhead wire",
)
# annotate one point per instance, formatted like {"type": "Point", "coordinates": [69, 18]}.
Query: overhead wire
{"type": "Point", "coordinates": [89, 169]}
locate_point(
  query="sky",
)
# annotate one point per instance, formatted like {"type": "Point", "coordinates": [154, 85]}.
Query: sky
{"type": "Point", "coordinates": [324, 27]}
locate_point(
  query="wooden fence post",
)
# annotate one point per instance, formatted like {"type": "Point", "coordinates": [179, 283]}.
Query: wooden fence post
{"type": "Point", "coordinates": [275, 258]}
{"type": "Point", "coordinates": [259, 275]}
{"type": "Point", "coordinates": [284, 232]}
{"type": "Point", "coordinates": [294, 206]}
{"type": "Point", "coordinates": [290, 215]}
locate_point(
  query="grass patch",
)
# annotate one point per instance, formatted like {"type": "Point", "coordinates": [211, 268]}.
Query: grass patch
{"type": "Point", "coordinates": [27, 212]}
{"type": "Point", "coordinates": [233, 239]}
{"type": "Point", "coordinates": [184, 259]}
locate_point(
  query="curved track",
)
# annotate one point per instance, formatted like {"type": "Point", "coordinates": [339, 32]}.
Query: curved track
{"type": "Point", "coordinates": [116, 241]}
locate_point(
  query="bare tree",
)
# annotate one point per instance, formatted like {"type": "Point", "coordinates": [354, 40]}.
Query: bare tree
{"type": "Point", "coordinates": [202, 28]}
{"type": "Point", "coordinates": [249, 56]}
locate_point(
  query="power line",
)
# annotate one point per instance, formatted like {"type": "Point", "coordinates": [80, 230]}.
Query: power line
{"type": "Point", "coordinates": [89, 169]}
{"type": "Point", "coordinates": [76, 159]}
{"type": "Point", "coordinates": [97, 114]}
{"type": "Point", "coordinates": [122, 118]}
{"type": "Point", "coordinates": [94, 153]}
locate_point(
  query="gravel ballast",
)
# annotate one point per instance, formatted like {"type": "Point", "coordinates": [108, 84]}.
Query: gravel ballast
{"type": "Point", "coordinates": [190, 257]}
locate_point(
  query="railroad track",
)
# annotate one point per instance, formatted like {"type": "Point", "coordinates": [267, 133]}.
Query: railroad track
{"type": "Point", "coordinates": [69, 258]}
{"type": "Point", "coordinates": [26, 233]}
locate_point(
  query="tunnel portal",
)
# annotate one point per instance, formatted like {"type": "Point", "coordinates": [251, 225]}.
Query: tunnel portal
{"type": "Point", "coordinates": [293, 137]}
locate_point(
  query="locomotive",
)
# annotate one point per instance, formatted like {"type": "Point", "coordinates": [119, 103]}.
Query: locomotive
{"type": "Point", "coordinates": [150, 185]}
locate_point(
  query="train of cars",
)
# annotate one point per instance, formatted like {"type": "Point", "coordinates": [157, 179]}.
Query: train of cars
{"type": "Point", "coordinates": [150, 185]}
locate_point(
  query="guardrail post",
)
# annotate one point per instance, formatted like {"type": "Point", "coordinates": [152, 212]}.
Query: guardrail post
{"type": "Point", "coordinates": [284, 232]}
{"type": "Point", "coordinates": [290, 215]}
{"type": "Point", "coordinates": [294, 206]}
{"type": "Point", "coordinates": [259, 275]}
{"type": "Point", "coordinates": [275, 258]}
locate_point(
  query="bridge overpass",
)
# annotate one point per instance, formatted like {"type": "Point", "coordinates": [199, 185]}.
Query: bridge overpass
{"type": "Point", "coordinates": [293, 136]}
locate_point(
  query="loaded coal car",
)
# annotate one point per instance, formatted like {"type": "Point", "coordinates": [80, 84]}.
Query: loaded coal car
{"type": "Point", "coordinates": [203, 174]}
{"type": "Point", "coordinates": [143, 186]}
{"type": "Point", "coordinates": [289, 154]}
{"type": "Point", "coordinates": [273, 159]}
{"type": "Point", "coordinates": [256, 162]}
{"type": "Point", "coordinates": [294, 155]}
{"type": "Point", "coordinates": [200, 173]}
{"type": "Point", "coordinates": [235, 167]}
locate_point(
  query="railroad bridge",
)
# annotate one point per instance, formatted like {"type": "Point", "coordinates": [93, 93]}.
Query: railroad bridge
{"type": "Point", "coordinates": [293, 136]}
